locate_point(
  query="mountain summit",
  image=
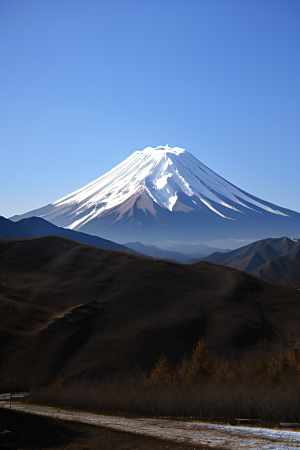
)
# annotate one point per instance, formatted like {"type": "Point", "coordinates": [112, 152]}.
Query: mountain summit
{"type": "Point", "coordinates": [166, 192]}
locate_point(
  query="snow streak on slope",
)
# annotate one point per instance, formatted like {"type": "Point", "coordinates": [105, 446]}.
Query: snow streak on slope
{"type": "Point", "coordinates": [161, 173]}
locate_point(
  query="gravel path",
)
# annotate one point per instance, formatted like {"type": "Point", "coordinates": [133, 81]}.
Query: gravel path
{"type": "Point", "coordinates": [227, 437]}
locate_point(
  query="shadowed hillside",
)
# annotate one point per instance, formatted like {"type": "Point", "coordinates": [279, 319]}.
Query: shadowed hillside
{"type": "Point", "coordinates": [69, 309]}
{"type": "Point", "coordinates": [33, 227]}
{"type": "Point", "coordinates": [284, 269]}
{"type": "Point", "coordinates": [275, 260]}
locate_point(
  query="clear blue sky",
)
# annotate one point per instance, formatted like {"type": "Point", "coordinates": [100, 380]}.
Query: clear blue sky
{"type": "Point", "coordinates": [83, 84]}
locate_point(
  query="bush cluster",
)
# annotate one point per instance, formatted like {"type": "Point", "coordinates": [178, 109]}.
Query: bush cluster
{"type": "Point", "coordinates": [265, 389]}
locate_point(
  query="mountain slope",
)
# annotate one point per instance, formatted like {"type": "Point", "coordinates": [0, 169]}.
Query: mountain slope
{"type": "Point", "coordinates": [73, 310]}
{"type": "Point", "coordinates": [276, 260]}
{"type": "Point", "coordinates": [37, 227]}
{"type": "Point", "coordinates": [239, 258]}
{"type": "Point", "coordinates": [284, 269]}
{"type": "Point", "coordinates": [166, 193]}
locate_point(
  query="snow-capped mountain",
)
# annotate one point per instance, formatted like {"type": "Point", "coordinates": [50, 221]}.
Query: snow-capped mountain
{"type": "Point", "coordinates": [166, 192]}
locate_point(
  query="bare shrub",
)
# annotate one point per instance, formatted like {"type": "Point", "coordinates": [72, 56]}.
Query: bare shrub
{"type": "Point", "coordinates": [266, 389]}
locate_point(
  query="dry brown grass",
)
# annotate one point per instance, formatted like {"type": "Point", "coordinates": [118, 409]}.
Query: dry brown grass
{"type": "Point", "coordinates": [209, 401]}
{"type": "Point", "coordinates": [268, 390]}
{"type": "Point", "coordinates": [71, 310]}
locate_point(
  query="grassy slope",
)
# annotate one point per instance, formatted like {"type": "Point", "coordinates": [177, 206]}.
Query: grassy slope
{"type": "Point", "coordinates": [69, 309]}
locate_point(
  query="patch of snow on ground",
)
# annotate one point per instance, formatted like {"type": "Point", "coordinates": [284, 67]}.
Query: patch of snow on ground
{"type": "Point", "coordinates": [225, 436]}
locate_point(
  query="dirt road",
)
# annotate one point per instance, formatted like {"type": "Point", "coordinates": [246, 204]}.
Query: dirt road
{"type": "Point", "coordinates": [227, 437]}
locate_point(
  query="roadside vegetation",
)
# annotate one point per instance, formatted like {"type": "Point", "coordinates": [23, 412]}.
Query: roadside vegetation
{"type": "Point", "coordinates": [267, 389]}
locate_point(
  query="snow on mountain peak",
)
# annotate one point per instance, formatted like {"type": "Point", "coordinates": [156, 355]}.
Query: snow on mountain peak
{"type": "Point", "coordinates": [158, 175]}
{"type": "Point", "coordinates": [163, 148]}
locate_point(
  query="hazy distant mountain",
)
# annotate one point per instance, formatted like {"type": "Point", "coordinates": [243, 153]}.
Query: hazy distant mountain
{"type": "Point", "coordinates": [190, 248]}
{"type": "Point", "coordinates": [166, 193]}
{"type": "Point", "coordinates": [276, 260]}
{"type": "Point", "coordinates": [177, 251]}
{"type": "Point", "coordinates": [37, 227]}
{"type": "Point", "coordinates": [155, 252]}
